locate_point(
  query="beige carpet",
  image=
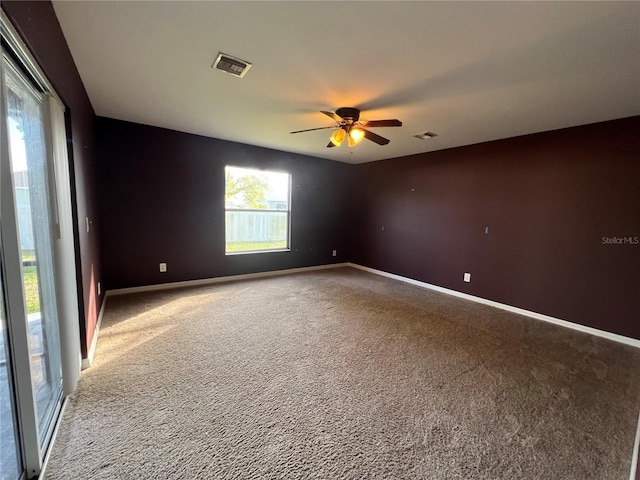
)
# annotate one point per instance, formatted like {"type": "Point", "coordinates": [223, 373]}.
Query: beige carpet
{"type": "Point", "coordinates": [341, 374]}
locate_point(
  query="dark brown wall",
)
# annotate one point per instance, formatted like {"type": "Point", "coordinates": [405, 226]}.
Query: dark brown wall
{"type": "Point", "coordinates": [162, 200]}
{"type": "Point", "coordinates": [548, 199]}
{"type": "Point", "coordinates": [39, 28]}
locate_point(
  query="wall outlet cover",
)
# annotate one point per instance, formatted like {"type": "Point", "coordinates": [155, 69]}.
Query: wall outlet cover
{"type": "Point", "coordinates": [467, 277]}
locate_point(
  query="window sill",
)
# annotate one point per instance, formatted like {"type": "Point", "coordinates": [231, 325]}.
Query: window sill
{"type": "Point", "coordinates": [246, 252]}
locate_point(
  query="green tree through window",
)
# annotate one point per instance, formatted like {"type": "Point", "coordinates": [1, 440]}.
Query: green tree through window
{"type": "Point", "coordinates": [249, 190]}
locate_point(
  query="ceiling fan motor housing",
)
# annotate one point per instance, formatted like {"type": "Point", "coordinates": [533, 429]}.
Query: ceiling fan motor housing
{"type": "Point", "coordinates": [349, 113]}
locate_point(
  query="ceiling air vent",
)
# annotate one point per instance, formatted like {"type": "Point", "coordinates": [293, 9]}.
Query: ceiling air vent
{"type": "Point", "coordinates": [425, 135]}
{"type": "Point", "coordinates": [231, 65]}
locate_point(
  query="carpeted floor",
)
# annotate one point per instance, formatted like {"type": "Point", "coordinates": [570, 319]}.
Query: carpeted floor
{"type": "Point", "coordinates": [341, 374]}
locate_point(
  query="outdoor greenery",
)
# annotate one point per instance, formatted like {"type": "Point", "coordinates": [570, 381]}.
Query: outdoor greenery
{"type": "Point", "coordinates": [31, 289]}
{"type": "Point", "coordinates": [245, 192]}
{"type": "Point", "coordinates": [249, 246]}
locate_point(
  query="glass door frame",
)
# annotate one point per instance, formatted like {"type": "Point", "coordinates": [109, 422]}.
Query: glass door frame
{"type": "Point", "coordinates": [35, 447]}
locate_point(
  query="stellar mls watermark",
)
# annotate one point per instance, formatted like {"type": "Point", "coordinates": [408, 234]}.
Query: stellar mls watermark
{"type": "Point", "coordinates": [620, 240]}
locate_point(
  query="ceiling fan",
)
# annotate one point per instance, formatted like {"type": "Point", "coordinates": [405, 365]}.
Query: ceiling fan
{"type": "Point", "coordinates": [350, 127]}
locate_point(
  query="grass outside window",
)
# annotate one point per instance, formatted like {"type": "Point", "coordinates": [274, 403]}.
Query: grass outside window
{"type": "Point", "coordinates": [31, 292]}
{"type": "Point", "coordinates": [255, 246]}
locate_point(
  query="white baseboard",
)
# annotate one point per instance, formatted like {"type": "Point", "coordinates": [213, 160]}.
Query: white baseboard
{"type": "Point", "coordinates": [538, 316]}
{"type": "Point", "coordinates": [86, 362]}
{"type": "Point", "coordinates": [209, 281]}
{"type": "Point", "coordinates": [636, 452]}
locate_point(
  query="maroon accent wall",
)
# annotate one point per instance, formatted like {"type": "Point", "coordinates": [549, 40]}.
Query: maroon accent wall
{"type": "Point", "coordinates": [548, 200]}
{"type": "Point", "coordinates": [38, 26]}
{"type": "Point", "coordinates": [162, 200]}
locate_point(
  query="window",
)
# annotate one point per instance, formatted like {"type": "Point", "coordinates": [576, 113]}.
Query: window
{"type": "Point", "coordinates": [257, 210]}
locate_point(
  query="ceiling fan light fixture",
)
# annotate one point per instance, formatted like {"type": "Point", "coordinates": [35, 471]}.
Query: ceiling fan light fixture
{"type": "Point", "coordinates": [338, 137]}
{"type": "Point", "coordinates": [355, 136]}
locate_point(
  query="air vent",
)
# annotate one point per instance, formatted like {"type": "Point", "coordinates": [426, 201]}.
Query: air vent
{"type": "Point", "coordinates": [425, 135]}
{"type": "Point", "coordinates": [231, 65]}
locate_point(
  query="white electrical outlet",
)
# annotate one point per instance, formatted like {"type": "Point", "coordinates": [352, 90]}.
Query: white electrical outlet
{"type": "Point", "coordinates": [99, 289]}
{"type": "Point", "coordinates": [86, 219]}
{"type": "Point", "coordinates": [163, 267]}
{"type": "Point", "coordinates": [334, 253]}
{"type": "Point", "coordinates": [467, 277]}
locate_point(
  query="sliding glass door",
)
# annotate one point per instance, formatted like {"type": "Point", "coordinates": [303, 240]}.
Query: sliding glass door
{"type": "Point", "coordinates": [28, 159]}
{"type": "Point", "coordinates": [32, 336]}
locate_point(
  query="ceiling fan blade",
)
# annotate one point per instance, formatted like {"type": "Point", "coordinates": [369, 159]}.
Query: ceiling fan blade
{"type": "Point", "coordinates": [375, 138]}
{"type": "Point", "coordinates": [330, 144]}
{"type": "Point", "coordinates": [382, 123]}
{"type": "Point", "coordinates": [312, 129]}
{"type": "Point", "coordinates": [333, 116]}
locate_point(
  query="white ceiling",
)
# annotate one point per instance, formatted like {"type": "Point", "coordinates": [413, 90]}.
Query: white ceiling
{"type": "Point", "coordinates": [468, 71]}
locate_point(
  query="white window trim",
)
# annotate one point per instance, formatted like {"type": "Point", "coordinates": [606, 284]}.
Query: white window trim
{"type": "Point", "coordinates": [288, 212]}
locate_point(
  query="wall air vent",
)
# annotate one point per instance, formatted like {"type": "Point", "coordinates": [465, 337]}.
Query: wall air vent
{"type": "Point", "coordinates": [231, 65]}
{"type": "Point", "coordinates": [425, 135]}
